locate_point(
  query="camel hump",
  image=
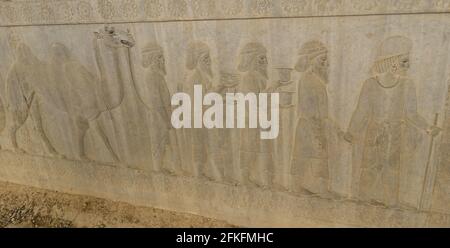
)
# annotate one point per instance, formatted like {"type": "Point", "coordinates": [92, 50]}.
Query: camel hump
{"type": "Point", "coordinates": [80, 89]}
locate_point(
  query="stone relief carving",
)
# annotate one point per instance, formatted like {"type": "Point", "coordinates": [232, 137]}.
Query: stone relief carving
{"type": "Point", "coordinates": [177, 8]}
{"type": "Point", "coordinates": [2, 115]}
{"type": "Point", "coordinates": [66, 85]}
{"type": "Point", "coordinates": [256, 158]}
{"type": "Point", "coordinates": [198, 62]}
{"type": "Point", "coordinates": [101, 11]}
{"type": "Point", "coordinates": [232, 7]}
{"type": "Point", "coordinates": [67, 12]}
{"type": "Point", "coordinates": [164, 141]}
{"type": "Point", "coordinates": [381, 124]}
{"type": "Point", "coordinates": [436, 189]}
{"type": "Point", "coordinates": [294, 6]}
{"type": "Point", "coordinates": [327, 5]}
{"type": "Point", "coordinates": [106, 9]}
{"type": "Point", "coordinates": [26, 90]}
{"type": "Point", "coordinates": [366, 5]}
{"type": "Point", "coordinates": [129, 9]}
{"type": "Point", "coordinates": [387, 107]}
{"type": "Point", "coordinates": [84, 10]}
{"type": "Point", "coordinates": [111, 88]}
{"type": "Point", "coordinates": [203, 8]}
{"type": "Point", "coordinates": [405, 4]}
{"type": "Point", "coordinates": [153, 8]}
{"type": "Point", "coordinates": [261, 7]}
{"type": "Point", "coordinates": [309, 166]}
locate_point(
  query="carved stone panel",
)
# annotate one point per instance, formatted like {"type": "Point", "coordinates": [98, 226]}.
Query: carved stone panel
{"type": "Point", "coordinates": [363, 137]}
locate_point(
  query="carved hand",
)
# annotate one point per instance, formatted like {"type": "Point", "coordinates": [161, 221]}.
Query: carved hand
{"type": "Point", "coordinates": [434, 130]}
{"type": "Point", "coordinates": [348, 137]}
{"type": "Point", "coordinates": [218, 88]}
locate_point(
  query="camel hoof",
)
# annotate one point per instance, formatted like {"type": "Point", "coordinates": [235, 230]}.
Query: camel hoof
{"type": "Point", "coordinates": [19, 150]}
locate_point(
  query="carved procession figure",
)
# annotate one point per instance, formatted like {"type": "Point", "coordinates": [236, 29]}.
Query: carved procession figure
{"type": "Point", "coordinates": [256, 157]}
{"type": "Point", "coordinates": [386, 108]}
{"type": "Point", "coordinates": [198, 62]}
{"type": "Point", "coordinates": [165, 151]}
{"type": "Point", "coordinates": [309, 162]}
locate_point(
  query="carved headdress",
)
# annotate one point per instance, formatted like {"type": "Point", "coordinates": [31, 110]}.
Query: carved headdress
{"type": "Point", "coordinates": [59, 52]}
{"type": "Point", "coordinates": [152, 48]}
{"type": "Point", "coordinates": [249, 53]}
{"type": "Point", "coordinates": [195, 50]}
{"type": "Point", "coordinates": [309, 51]}
{"type": "Point", "coordinates": [25, 55]}
{"type": "Point", "coordinates": [312, 48]}
{"type": "Point", "coordinates": [389, 52]}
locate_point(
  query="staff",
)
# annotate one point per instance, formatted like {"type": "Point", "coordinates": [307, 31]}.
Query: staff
{"type": "Point", "coordinates": [429, 176]}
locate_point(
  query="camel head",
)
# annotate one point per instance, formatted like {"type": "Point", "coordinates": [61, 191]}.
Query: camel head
{"type": "Point", "coordinates": [116, 38]}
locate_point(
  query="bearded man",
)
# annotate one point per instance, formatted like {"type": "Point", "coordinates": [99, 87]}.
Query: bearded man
{"type": "Point", "coordinates": [198, 62]}
{"type": "Point", "coordinates": [256, 158]}
{"type": "Point", "coordinates": [387, 106]}
{"type": "Point", "coordinates": [309, 162]}
{"type": "Point", "coordinates": [165, 150]}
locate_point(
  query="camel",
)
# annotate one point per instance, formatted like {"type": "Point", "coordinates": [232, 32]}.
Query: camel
{"type": "Point", "coordinates": [67, 86]}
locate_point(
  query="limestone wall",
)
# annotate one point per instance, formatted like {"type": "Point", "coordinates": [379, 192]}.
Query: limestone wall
{"type": "Point", "coordinates": [85, 92]}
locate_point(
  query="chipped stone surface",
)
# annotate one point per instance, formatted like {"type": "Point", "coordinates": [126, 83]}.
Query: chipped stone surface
{"type": "Point", "coordinates": [364, 118]}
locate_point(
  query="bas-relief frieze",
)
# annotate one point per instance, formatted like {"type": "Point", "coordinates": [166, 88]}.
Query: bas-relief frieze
{"type": "Point", "coordinates": [18, 12]}
{"type": "Point", "coordinates": [111, 104]}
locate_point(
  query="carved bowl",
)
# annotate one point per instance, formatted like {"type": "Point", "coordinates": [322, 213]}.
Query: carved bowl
{"type": "Point", "coordinates": [286, 97]}
{"type": "Point", "coordinates": [229, 80]}
{"type": "Point", "coordinates": [284, 74]}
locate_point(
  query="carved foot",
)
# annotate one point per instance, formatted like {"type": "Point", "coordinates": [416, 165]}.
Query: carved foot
{"type": "Point", "coordinates": [57, 155]}
{"type": "Point", "coordinates": [84, 158]}
{"type": "Point", "coordinates": [19, 150]}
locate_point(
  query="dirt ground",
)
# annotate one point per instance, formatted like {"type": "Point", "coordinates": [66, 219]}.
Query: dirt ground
{"type": "Point", "coordinates": [23, 206]}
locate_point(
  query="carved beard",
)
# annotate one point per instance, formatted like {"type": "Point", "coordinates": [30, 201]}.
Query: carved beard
{"type": "Point", "coordinates": [207, 70]}
{"type": "Point", "coordinates": [322, 72]}
{"type": "Point", "coordinates": [159, 68]}
{"type": "Point", "coordinates": [263, 71]}
{"type": "Point", "coordinates": [162, 68]}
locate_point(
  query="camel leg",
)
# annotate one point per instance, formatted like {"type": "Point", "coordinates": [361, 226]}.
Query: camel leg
{"type": "Point", "coordinates": [16, 120]}
{"type": "Point", "coordinates": [105, 140]}
{"type": "Point", "coordinates": [13, 137]}
{"type": "Point", "coordinates": [37, 120]}
{"type": "Point", "coordinates": [83, 126]}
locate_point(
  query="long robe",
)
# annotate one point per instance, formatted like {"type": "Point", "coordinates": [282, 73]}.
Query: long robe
{"type": "Point", "coordinates": [165, 150]}
{"type": "Point", "coordinates": [309, 164]}
{"type": "Point", "coordinates": [380, 121]}
{"type": "Point", "coordinates": [196, 139]}
{"type": "Point", "coordinates": [256, 157]}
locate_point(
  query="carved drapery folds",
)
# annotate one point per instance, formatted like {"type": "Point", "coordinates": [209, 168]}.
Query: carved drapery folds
{"type": "Point", "coordinates": [358, 123]}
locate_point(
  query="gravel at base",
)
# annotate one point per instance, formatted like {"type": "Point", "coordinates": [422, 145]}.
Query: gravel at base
{"type": "Point", "coordinates": [23, 206]}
